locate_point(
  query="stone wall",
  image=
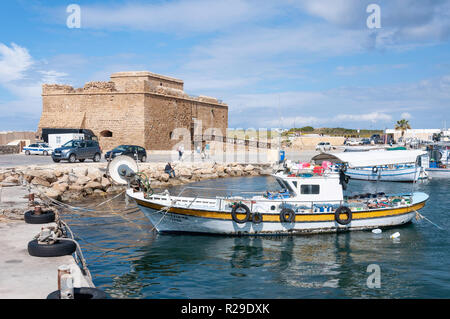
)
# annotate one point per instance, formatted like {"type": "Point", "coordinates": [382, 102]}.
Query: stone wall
{"type": "Point", "coordinates": [9, 149]}
{"type": "Point", "coordinates": [310, 142]}
{"type": "Point", "coordinates": [6, 137]}
{"type": "Point", "coordinates": [70, 182]}
{"type": "Point", "coordinates": [138, 108]}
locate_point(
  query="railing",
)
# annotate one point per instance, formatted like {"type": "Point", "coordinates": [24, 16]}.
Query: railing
{"type": "Point", "coordinates": [232, 140]}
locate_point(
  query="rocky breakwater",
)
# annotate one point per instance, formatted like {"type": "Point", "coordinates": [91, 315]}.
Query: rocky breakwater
{"type": "Point", "coordinates": [71, 182]}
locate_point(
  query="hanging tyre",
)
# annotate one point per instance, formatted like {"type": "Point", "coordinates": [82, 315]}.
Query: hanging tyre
{"type": "Point", "coordinates": [60, 248]}
{"type": "Point", "coordinates": [44, 218]}
{"type": "Point", "coordinates": [343, 210]}
{"type": "Point", "coordinates": [257, 218]}
{"type": "Point", "coordinates": [81, 293]}
{"type": "Point", "coordinates": [243, 209]}
{"type": "Point", "coordinates": [287, 215]}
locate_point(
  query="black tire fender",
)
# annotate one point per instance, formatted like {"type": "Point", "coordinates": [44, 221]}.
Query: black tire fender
{"type": "Point", "coordinates": [287, 215]}
{"type": "Point", "coordinates": [81, 293]}
{"type": "Point", "coordinates": [374, 170]}
{"type": "Point", "coordinates": [60, 248]}
{"type": "Point", "coordinates": [234, 213]}
{"type": "Point", "coordinates": [257, 218]}
{"type": "Point", "coordinates": [343, 210]}
{"type": "Point", "coordinates": [45, 217]}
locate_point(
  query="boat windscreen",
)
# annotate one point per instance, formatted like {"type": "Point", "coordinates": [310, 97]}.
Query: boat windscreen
{"type": "Point", "coordinates": [285, 186]}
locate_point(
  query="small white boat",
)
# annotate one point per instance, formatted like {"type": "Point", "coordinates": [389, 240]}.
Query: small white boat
{"type": "Point", "coordinates": [380, 165]}
{"type": "Point", "coordinates": [389, 173]}
{"type": "Point", "coordinates": [437, 161]}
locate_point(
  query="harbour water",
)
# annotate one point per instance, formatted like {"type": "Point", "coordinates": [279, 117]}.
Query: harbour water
{"type": "Point", "coordinates": [128, 259]}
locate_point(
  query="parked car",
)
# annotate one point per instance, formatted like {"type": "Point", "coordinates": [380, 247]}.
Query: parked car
{"type": "Point", "coordinates": [323, 146]}
{"type": "Point", "coordinates": [352, 142]}
{"type": "Point", "coordinates": [38, 148]}
{"type": "Point", "coordinates": [133, 151]}
{"type": "Point", "coordinates": [365, 141]}
{"type": "Point", "coordinates": [377, 139]}
{"type": "Point", "coordinates": [78, 150]}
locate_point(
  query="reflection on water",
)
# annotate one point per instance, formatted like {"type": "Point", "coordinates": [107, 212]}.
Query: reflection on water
{"type": "Point", "coordinates": [129, 260]}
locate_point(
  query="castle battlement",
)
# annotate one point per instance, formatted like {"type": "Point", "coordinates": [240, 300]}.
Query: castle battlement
{"type": "Point", "coordinates": [131, 82]}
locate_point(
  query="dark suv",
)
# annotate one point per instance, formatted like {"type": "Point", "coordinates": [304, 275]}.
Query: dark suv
{"type": "Point", "coordinates": [133, 151]}
{"type": "Point", "coordinates": [78, 150]}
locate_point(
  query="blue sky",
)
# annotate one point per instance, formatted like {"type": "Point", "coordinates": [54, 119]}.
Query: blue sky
{"type": "Point", "coordinates": [275, 63]}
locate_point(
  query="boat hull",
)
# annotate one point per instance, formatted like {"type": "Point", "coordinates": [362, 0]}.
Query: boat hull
{"type": "Point", "coordinates": [400, 175]}
{"type": "Point", "coordinates": [210, 222]}
{"type": "Point", "coordinates": [438, 172]}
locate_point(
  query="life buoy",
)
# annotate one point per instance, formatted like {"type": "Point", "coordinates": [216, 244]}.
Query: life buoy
{"type": "Point", "coordinates": [234, 213]}
{"type": "Point", "coordinates": [287, 215]}
{"type": "Point", "coordinates": [257, 218]}
{"type": "Point", "coordinates": [343, 210]}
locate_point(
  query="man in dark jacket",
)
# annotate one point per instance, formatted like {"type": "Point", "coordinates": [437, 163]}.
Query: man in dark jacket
{"type": "Point", "coordinates": [169, 170]}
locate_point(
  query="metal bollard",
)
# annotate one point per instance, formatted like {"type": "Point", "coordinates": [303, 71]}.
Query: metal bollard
{"type": "Point", "coordinates": [31, 199]}
{"type": "Point", "coordinates": [62, 270]}
{"type": "Point", "coordinates": [66, 291]}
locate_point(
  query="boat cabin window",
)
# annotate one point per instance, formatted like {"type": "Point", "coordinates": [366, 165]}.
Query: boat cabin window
{"type": "Point", "coordinates": [285, 185]}
{"type": "Point", "coordinates": [309, 189]}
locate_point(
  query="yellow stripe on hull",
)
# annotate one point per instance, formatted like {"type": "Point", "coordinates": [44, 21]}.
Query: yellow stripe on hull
{"type": "Point", "coordinates": [315, 217]}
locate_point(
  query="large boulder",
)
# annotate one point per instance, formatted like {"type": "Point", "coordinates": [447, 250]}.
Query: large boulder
{"type": "Point", "coordinates": [53, 193]}
{"type": "Point", "coordinates": [40, 181]}
{"type": "Point", "coordinates": [93, 185]}
{"type": "Point", "coordinates": [83, 180]}
{"type": "Point", "coordinates": [249, 168]}
{"type": "Point", "coordinates": [80, 171]}
{"type": "Point", "coordinates": [95, 174]}
{"type": "Point", "coordinates": [61, 187]}
{"type": "Point", "coordinates": [105, 182]}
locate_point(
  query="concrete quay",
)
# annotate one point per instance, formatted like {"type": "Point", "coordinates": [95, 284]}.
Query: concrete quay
{"type": "Point", "coordinates": [23, 276]}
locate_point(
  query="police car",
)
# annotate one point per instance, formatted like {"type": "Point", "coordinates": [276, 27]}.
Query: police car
{"type": "Point", "coordinates": [37, 148]}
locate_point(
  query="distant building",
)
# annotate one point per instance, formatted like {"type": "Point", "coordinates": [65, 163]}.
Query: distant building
{"type": "Point", "coordinates": [422, 134]}
{"type": "Point", "coordinates": [140, 108]}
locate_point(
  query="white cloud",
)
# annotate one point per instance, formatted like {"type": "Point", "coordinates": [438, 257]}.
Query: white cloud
{"type": "Point", "coordinates": [176, 16]}
{"type": "Point", "coordinates": [23, 77]}
{"type": "Point", "coordinates": [406, 116]}
{"type": "Point", "coordinates": [369, 117]}
{"type": "Point", "coordinates": [14, 62]}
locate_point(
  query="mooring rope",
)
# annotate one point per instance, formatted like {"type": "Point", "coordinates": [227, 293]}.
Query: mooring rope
{"type": "Point", "coordinates": [424, 217]}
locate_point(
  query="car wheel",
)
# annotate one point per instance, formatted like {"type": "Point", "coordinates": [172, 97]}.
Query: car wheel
{"type": "Point", "coordinates": [45, 153]}
{"type": "Point", "coordinates": [27, 152]}
{"type": "Point", "coordinates": [97, 157]}
{"type": "Point", "coordinates": [143, 158]}
{"type": "Point", "coordinates": [56, 160]}
{"type": "Point", "coordinates": [72, 158]}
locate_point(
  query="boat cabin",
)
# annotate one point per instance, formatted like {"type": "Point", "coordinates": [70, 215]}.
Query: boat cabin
{"type": "Point", "coordinates": [310, 188]}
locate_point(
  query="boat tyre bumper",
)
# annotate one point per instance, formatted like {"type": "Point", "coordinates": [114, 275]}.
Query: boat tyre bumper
{"type": "Point", "coordinates": [44, 218]}
{"type": "Point", "coordinates": [287, 215]}
{"type": "Point", "coordinates": [234, 213]}
{"type": "Point", "coordinates": [60, 248]}
{"type": "Point", "coordinates": [343, 210]}
{"type": "Point", "coordinates": [81, 293]}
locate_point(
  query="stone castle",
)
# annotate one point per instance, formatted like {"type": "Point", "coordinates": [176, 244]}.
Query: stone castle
{"type": "Point", "coordinates": [138, 108]}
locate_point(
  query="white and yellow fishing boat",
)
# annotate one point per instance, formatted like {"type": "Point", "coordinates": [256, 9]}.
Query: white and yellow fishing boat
{"type": "Point", "coordinates": [310, 202]}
